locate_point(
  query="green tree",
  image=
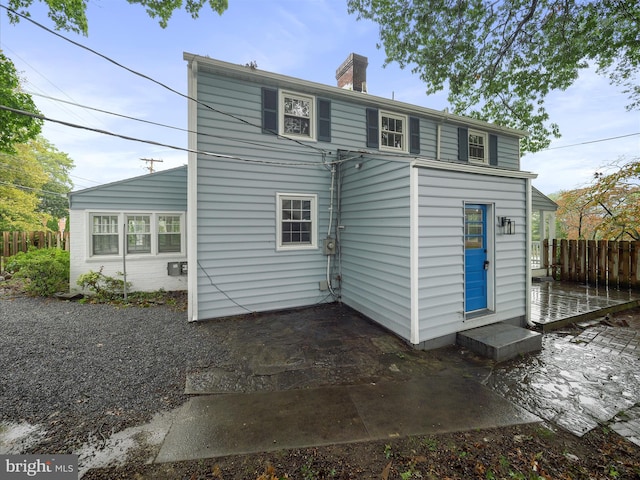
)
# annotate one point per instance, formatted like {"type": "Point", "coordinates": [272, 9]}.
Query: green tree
{"type": "Point", "coordinates": [71, 14]}
{"type": "Point", "coordinates": [57, 165]}
{"type": "Point", "coordinates": [608, 208]}
{"type": "Point", "coordinates": [500, 60]}
{"type": "Point", "coordinates": [34, 182]}
{"type": "Point", "coordinates": [15, 128]}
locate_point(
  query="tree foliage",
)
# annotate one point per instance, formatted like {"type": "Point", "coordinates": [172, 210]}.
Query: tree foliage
{"type": "Point", "coordinates": [71, 15]}
{"type": "Point", "coordinates": [607, 209]}
{"type": "Point", "coordinates": [15, 128]}
{"type": "Point", "coordinates": [34, 182]}
{"type": "Point", "coordinates": [500, 59]}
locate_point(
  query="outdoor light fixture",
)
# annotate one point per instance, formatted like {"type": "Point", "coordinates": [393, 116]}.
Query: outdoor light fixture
{"type": "Point", "coordinates": [508, 226]}
{"type": "Point", "coordinates": [358, 165]}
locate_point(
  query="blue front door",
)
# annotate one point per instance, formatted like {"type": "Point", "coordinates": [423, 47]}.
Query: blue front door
{"type": "Point", "coordinates": [475, 257]}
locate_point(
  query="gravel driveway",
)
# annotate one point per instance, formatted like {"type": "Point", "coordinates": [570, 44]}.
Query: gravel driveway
{"type": "Point", "coordinates": [85, 371]}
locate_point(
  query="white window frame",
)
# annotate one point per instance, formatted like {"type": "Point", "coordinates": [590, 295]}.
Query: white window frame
{"type": "Point", "coordinates": [313, 244]}
{"type": "Point", "coordinates": [282, 94]}
{"type": "Point", "coordinates": [405, 131]}
{"type": "Point", "coordinates": [485, 139]}
{"type": "Point", "coordinates": [91, 234]}
{"type": "Point", "coordinates": [122, 231]}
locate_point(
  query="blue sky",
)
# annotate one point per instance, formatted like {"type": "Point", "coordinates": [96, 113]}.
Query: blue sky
{"type": "Point", "coordinates": [307, 39]}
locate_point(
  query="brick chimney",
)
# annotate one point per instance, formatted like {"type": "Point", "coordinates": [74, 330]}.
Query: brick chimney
{"type": "Point", "coordinates": [352, 74]}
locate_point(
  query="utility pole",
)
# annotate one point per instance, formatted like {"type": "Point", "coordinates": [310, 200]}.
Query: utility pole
{"type": "Point", "coordinates": [150, 161]}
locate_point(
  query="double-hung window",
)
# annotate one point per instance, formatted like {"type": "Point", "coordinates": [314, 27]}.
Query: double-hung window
{"type": "Point", "coordinates": [297, 115]}
{"type": "Point", "coordinates": [104, 234]}
{"type": "Point", "coordinates": [169, 233]}
{"type": "Point", "coordinates": [393, 132]}
{"type": "Point", "coordinates": [142, 233]}
{"type": "Point", "coordinates": [478, 148]}
{"type": "Point", "coordinates": [296, 221]}
{"type": "Point", "coordinates": [138, 234]}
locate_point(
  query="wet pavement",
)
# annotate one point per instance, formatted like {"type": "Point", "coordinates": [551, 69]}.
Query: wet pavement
{"type": "Point", "coordinates": [579, 380]}
{"type": "Point", "coordinates": [327, 375]}
{"type": "Point", "coordinates": [559, 303]}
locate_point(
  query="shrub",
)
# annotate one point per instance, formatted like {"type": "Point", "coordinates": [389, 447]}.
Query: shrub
{"type": "Point", "coordinates": [104, 288]}
{"type": "Point", "coordinates": [45, 270]}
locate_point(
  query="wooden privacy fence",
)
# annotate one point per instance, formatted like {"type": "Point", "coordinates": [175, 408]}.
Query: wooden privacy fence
{"type": "Point", "coordinates": [14, 242]}
{"type": "Point", "coordinates": [603, 262]}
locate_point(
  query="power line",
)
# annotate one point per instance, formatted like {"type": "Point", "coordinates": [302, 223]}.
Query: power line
{"type": "Point", "coordinates": [22, 187]}
{"type": "Point", "coordinates": [157, 82]}
{"type": "Point", "coordinates": [152, 142]}
{"type": "Point", "coordinates": [172, 127]}
{"type": "Point", "coordinates": [592, 141]}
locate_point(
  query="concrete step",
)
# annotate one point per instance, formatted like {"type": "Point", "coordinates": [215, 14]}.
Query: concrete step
{"type": "Point", "coordinates": [500, 341]}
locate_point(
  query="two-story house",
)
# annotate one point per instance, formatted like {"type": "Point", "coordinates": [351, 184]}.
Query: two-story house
{"type": "Point", "coordinates": [301, 193]}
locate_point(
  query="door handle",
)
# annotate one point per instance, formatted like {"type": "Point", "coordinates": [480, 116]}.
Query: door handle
{"type": "Point", "coordinates": [486, 264]}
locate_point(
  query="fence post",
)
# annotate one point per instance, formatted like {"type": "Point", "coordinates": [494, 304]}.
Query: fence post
{"type": "Point", "coordinates": [564, 260]}
{"type": "Point", "coordinates": [581, 265]}
{"type": "Point", "coordinates": [625, 259]}
{"type": "Point", "coordinates": [592, 262]}
{"type": "Point", "coordinates": [635, 265]}
{"type": "Point", "coordinates": [613, 263]}
{"type": "Point", "coordinates": [602, 262]}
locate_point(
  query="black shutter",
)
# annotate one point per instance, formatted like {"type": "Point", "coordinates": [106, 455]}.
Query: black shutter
{"type": "Point", "coordinates": [269, 110]}
{"type": "Point", "coordinates": [493, 150]}
{"type": "Point", "coordinates": [463, 144]}
{"type": "Point", "coordinates": [373, 140]}
{"type": "Point", "coordinates": [324, 120]}
{"type": "Point", "coordinates": [414, 135]}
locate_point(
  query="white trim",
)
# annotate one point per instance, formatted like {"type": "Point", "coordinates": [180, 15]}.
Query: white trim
{"type": "Point", "coordinates": [405, 132]}
{"type": "Point", "coordinates": [485, 136]}
{"type": "Point", "coordinates": [314, 221]}
{"type": "Point", "coordinates": [414, 252]}
{"type": "Point", "coordinates": [192, 193]}
{"type": "Point", "coordinates": [312, 115]}
{"type": "Point", "coordinates": [470, 168]}
{"type": "Point", "coordinates": [528, 237]}
{"type": "Point", "coordinates": [122, 232]}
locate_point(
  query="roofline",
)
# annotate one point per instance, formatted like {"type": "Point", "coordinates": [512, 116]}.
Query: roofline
{"type": "Point", "coordinates": [245, 73]}
{"type": "Point", "coordinates": [125, 180]}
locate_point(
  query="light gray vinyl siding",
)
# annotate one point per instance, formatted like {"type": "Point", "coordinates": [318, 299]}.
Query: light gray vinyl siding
{"type": "Point", "coordinates": [540, 201]}
{"type": "Point", "coordinates": [239, 269]}
{"type": "Point", "coordinates": [165, 190]}
{"type": "Point", "coordinates": [508, 147]}
{"type": "Point", "coordinates": [442, 195]}
{"type": "Point", "coordinates": [375, 242]}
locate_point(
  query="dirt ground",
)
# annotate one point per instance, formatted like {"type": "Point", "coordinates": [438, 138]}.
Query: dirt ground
{"type": "Point", "coordinates": [534, 451]}
{"type": "Point", "coordinates": [531, 451]}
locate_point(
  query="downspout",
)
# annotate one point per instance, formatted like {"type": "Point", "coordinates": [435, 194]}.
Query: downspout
{"type": "Point", "coordinates": [331, 194]}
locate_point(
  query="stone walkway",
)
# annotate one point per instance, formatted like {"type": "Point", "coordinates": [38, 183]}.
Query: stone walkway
{"type": "Point", "coordinates": [579, 381]}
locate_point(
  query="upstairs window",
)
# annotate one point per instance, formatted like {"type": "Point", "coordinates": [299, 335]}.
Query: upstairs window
{"type": "Point", "coordinates": [297, 115]}
{"type": "Point", "coordinates": [297, 221]}
{"type": "Point", "coordinates": [393, 132]}
{"type": "Point", "coordinates": [478, 148]}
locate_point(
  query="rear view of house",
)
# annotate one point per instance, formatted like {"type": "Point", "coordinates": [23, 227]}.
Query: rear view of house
{"type": "Point", "coordinates": [303, 193]}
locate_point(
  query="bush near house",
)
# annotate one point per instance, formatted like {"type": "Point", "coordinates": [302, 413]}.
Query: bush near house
{"type": "Point", "coordinates": [45, 271]}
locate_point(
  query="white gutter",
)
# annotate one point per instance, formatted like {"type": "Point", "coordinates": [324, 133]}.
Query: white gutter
{"type": "Point", "coordinates": [471, 168]}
